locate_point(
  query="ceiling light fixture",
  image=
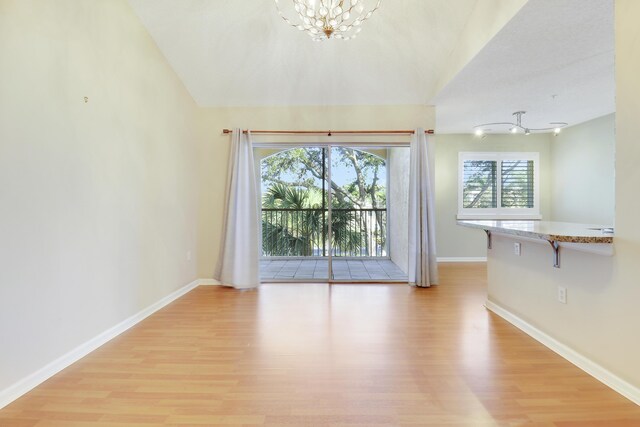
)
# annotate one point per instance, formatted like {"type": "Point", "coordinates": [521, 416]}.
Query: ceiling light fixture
{"type": "Point", "coordinates": [517, 126]}
{"type": "Point", "coordinates": [326, 19]}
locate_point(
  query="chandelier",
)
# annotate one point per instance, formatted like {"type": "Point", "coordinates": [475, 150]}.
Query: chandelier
{"type": "Point", "coordinates": [518, 127]}
{"type": "Point", "coordinates": [326, 19]}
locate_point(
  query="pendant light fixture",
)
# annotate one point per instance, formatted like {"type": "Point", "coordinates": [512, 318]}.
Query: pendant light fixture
{"type": "Point", "coordinates": [518, 127]}
{"type": "Point", "coordinates": [327, 19]}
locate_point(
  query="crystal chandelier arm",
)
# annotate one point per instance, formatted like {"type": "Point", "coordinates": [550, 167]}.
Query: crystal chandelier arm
{"type": "Point", "coordinates": [324, 19]}
{"type": "Point", "coordinates": [365, 15]}
{"type": "Point", "coordinates": [284, 18]}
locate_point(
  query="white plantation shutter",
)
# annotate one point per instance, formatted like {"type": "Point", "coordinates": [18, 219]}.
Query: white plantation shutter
{"type": "Point", "coordinates": [517, 184]}
{"type": "Point", "coordinates": [495, 185]}
{"type": "Point", "coordinates": [480, 184]}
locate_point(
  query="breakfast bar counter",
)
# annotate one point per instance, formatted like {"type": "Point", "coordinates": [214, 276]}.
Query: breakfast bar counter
{"type": "Point", "coordinates": [547, 230]}
{"type": "Point", "coordinates": [553, 232]}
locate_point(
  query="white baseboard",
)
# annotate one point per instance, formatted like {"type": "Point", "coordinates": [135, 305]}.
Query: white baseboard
{"type": "Point", "coordinates": [463, 259]}
{"type": "Point", "coordinates": [603, 375]}
{"type": "Point", "coordinates": [21, 387]}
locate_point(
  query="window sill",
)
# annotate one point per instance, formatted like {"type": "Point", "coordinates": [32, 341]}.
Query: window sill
{"type": "Point", "coordinates": [500, 216]}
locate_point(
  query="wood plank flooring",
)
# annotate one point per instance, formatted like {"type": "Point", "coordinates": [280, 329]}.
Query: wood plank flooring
{"type": "Point", "coordinates": [319, 355]}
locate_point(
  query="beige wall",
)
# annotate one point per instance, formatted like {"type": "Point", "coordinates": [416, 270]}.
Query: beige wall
{"type": "Point", "coordinates": [621, 300]}
{"type": "Point", "coordinates": [576, 179]}
{"type": "Point", "coordinates": [580, 158]}
{"type": "Point", "coordinates": [600, 319]}
{"type": "Point", "coordinates": [453, 241]}
{"type": "Point", "coordinates": [213, 152]}
{"type": "Point", "coordinates": [99, 199]}
{"type": "Point", "coordinates": [583, 171]}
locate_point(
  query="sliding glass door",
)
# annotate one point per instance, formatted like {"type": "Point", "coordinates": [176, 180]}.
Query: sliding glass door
{"type": "Point", "coordinates": [294, 213]}
{"type": "Point", "coordinates": [325, 213]}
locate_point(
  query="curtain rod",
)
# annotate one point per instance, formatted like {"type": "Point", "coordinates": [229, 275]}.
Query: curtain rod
{"type": "Point", "coordinates": [331, 132]}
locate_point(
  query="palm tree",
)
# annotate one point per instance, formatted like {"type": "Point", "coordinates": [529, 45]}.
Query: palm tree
{"type": "Point", "coordinates": [360, 230]}
{"type": "Point", "coordinates": [293, 224]}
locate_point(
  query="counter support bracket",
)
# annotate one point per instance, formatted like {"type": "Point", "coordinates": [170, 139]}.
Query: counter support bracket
{"type": "Point", "coordinates": [488, 238]}
{"type": "Point", "coordinates": [556, 253]}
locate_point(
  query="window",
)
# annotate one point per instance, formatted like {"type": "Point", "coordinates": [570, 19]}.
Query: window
{"type": "Point", "coordinates": [498, 185]}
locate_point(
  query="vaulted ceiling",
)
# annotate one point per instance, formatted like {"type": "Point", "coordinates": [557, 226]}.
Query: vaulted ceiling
{"type": "Point", "coordinates": [476, 60]}
{"type": "Point", "coordinates": [241, 53]}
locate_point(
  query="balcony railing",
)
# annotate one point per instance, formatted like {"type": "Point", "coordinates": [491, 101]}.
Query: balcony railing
{"type": "Point", "coordinates": [304, 232]}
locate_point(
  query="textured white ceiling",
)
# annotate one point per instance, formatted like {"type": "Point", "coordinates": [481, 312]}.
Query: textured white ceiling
{"type": "Point", "coordinates": [551, 47]}
{"type": "Point", "coordinates": [241, 53]}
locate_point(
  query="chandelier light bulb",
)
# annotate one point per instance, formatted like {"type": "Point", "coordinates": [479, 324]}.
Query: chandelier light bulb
{"type": "Point", "coordinates": [479, 132]}
{"type": "Point", "coordinates": [556, 131]}
{"type": "Point", "coordinates": [327, 19]}
{"type": "Point", "coordinates": [514, 130]}
{"type": "Point", "coordinates": [527, 132]}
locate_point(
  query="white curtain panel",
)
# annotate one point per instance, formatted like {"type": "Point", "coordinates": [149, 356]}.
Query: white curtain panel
{"type": "Point", "coordinates": [423, 267]}
{"type": "Point", "coordinates": [239, 262]}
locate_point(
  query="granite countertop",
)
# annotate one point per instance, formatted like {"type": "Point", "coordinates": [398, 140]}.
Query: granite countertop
{"type": "Point", "coordinates": [546, 230]}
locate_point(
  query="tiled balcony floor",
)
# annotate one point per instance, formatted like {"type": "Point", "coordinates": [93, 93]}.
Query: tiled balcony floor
{"type": "Point", "coordinates": [306, 269]}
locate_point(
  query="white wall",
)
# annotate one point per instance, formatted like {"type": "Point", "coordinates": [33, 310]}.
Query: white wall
{"type": "Point", "coordinates": [214, 149]}
{"type": "Point", "coordinates": [98, 200]}
{"type": "Point", "coordinates": [583, 172]}
{"type": "Point", "coordinates": [453, 241]}
{"type": "Point", "coordinates": [600, 320]}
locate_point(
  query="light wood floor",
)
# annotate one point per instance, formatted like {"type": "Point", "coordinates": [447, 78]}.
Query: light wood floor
{"type": "Point", "coordinates": [315, 355]}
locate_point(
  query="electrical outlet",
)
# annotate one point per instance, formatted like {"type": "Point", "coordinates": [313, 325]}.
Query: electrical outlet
{"type": "Point", "coordinates": [188, 255]}
{"type": "Point", "coordinates": [562, 294]}
{"type": "Point", "coordinates": [516, 248]}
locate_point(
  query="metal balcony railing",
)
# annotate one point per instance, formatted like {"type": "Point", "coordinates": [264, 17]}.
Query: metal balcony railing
{"type": "Point", "coordinates": [304, 232]}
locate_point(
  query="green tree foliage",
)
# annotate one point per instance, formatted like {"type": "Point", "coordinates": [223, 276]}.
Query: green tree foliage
{"type": "Point", "coordinates": [295, 214]}
{"type": "Point", "coordinates": [481, 183]}
{"type": "Point", "coordinates": [517, 184]}
{"type": "Point", "coordinates": [295, 226]}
